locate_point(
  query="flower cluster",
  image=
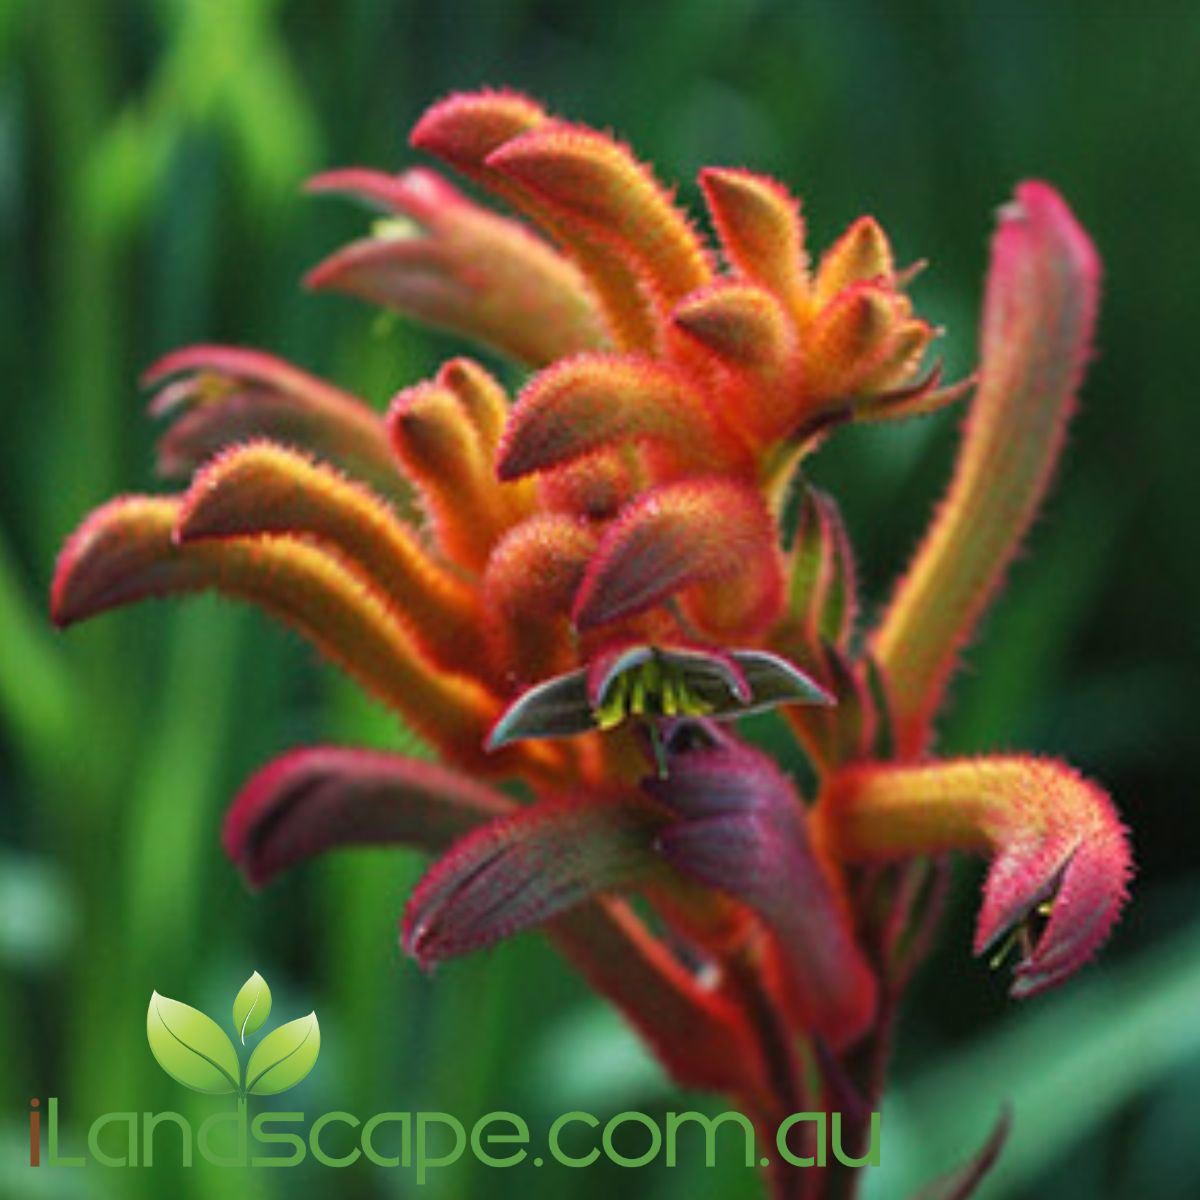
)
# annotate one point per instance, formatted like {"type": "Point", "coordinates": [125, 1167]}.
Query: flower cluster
{"type": "Point", "coordinates": [583, 590]}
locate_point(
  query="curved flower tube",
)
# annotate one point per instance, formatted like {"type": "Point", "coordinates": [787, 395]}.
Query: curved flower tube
{"type": "Point", "coordinates": [1060, 856]}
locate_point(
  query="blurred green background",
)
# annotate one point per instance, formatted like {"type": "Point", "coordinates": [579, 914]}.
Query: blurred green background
{"type": "Point", "coordinates": [150, 155]}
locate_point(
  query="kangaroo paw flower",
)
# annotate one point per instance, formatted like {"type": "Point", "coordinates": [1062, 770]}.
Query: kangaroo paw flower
{"type": "Point", "coordinates": [127, 551]}
{"type": "Point", "coordinates": [593, 402]}
{"type": "Point", "coordinates": [1060, 865]}
{"type": "Point", "coordinates": [264, 488]}
{"type": "Point", "coordinates": [328, 797]}
{"type": "Point", "coordinates": [521, 870]}
{"type": "Point", "coordinates": [712, 540]}
{"type": "Point", "coordinates": [466, 130]}
{"type": "Point", "coordinates": [530, 579]}
{"type": "Point", "coordinates": [325, 797]}
{"type": "Point", "coordinates": [444, 260]}
{"type": "Point", "coordinates": [220, 395]}
{"type": "Point", "coordinates": [436, 434]}
{"type": "Point", "coordinates": [761, 231]}
{"type": "Point", "coordinates": [651, 681]}
{"type": "Point", "coordinates": [589, 179]}
{"type": "Point", "coordinates": [1037, 327]}
{"type": "Point", "coordinates": [613, 555]}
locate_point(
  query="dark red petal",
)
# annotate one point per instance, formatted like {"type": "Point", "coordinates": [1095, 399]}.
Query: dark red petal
{"type": "Point", "coordinates": [325, 797]}
{"type": "Point", "coordinates": [743, 830]}
{"type": "Point", "coordinates": [521, 870]}
{"type": "Point", "coordinates": [712, 536]}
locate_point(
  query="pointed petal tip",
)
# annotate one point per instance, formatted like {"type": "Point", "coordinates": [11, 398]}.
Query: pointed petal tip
{"type": "Point", "coordinates": [709, 540]}
{"type": "Point", "coordinates": [1058, 896]}
{"type": "Point", "coordinates": [465, 126]}
{"type": "Point", "coordinates": [774, 680]}
{"type": "Point", "coordinates": [1087, 900]}
{"type": "Point", "coordinates": [325, 274]}
{"type": "Point", "coordinates": [110, 544]}
{"type": "Point", "coordinates": [596, 400]}
{"type": "Point", "coordinates": [555, 708]}
{"type": "Point", "coordinates": [1041, 203]}
{"type": "Point", "coordinates": [395, 272]}
{"type": "Point", "coordinates": [207, 356]}
{"type": "Point", "coordinates": [337, 179]}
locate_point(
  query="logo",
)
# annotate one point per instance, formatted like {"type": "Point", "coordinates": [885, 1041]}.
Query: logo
{"type": "Point", "coordinates": [195, 1051]}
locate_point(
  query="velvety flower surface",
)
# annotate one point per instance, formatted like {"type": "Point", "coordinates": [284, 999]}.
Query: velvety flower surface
{"type": "Point", "coordinates": [575, 594]}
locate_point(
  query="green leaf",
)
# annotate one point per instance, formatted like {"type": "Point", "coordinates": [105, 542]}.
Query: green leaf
{"type": "Point", "coordinates": [284, 1057]}
{"type": "Point", "coordinates": [190, 1047]}
{"type": "Point", "coordinates": [251, 1006]}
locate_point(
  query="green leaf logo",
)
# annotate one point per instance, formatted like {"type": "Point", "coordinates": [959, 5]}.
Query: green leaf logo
{"type": "Point", "coordinates": [251, 1006]}
{"type": "Point", "coordinates": [195, 1051]}
{"type": "Point", "coordinates": [191, 1047]}
{"type": "Point", "coordinates": [284, 1057]}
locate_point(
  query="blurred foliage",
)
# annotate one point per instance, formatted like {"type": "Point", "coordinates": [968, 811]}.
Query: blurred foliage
{"type": "Point", "coordinates": [150, 153]}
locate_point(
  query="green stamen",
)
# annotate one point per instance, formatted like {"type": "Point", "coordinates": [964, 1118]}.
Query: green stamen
{"type": "Point", "coordinates": [655, 688]}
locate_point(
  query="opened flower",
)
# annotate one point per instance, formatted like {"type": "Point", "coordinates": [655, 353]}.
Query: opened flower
{"type": "Point", "coordinates": [575, 597]}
